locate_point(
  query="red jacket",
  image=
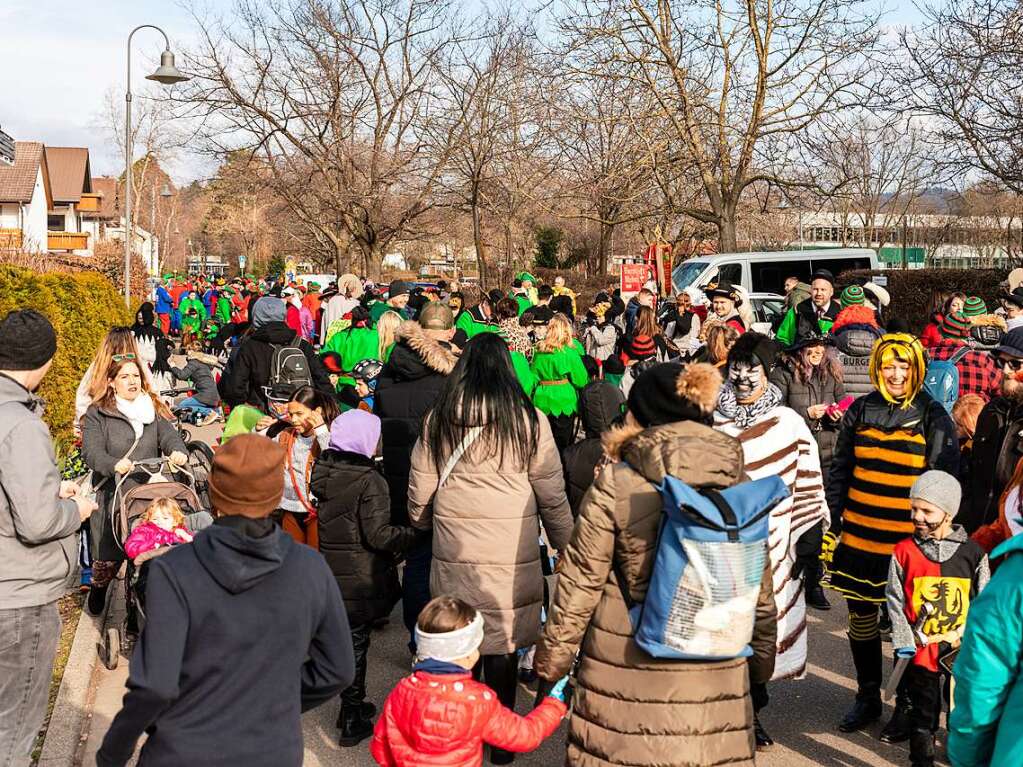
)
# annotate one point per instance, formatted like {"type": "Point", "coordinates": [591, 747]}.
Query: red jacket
{"type": "Point", "coordinates": [932, 333]}
{"type": "Point", "coordinates": [443, 720]}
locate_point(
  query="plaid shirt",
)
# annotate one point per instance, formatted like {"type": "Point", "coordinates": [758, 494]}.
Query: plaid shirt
{"type": "Point", "coordinates": [978, 373]}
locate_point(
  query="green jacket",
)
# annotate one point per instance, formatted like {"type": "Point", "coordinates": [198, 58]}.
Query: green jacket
{"type": "Point", "coordinates": [380, 308]}
{"type": "Point", "coordinates": [353, 346]}
{"type": "Point", "coordinates": [565, 367]}
{"type": "Point", "coordinates": [523, 301]}
{"type": "Point", "coordinates": [523, 372]}
{"type": "Point", "coordinates": [986, 725]}
{"type": "Point", "coordinates": [223, 311]}
{"type": "Point", "coordinates": [468, 324]}
{"type": "Point", "coordinates": [787, 330]}
{"type": "Point", "coordinates": [194, 323]}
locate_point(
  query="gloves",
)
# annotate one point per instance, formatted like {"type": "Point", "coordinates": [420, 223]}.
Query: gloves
{"type": "Point", "coordinates": [178, 458]}
{"type": "Point", "coordinates": [558, 691]}
{"type": "Point", "coordinates": [828, 547]}
{"type": "Point", "coordinates": [905, 652]}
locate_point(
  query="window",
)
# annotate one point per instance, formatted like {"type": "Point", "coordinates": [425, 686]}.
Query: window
{"type": "Point", "coordinates": [55, 222]}
{"type": "Point", "coordinates": [730, 272]}
{"type": "Point", "coordinates": [686, 272]}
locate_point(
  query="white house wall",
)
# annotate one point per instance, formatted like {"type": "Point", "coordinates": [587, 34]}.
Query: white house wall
{"type": "Point", "coordinates": [33, 225]}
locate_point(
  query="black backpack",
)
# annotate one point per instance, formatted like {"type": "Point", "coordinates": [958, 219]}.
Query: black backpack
{"type": "Point", "coordinates": [289, 368]}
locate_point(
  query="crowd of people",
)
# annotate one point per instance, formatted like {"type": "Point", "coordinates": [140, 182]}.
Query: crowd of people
{"type": "Point", "coordinates": [503, 466]}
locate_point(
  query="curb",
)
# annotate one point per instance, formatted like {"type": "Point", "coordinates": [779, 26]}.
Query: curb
{"type": "Point", "coordinates": [72, 711]}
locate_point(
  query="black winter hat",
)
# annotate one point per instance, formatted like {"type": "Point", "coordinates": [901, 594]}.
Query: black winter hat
{"type": "Point", "coordinates": [670, 392]}
{"type": "Point", "coordinates": [398, 288]}
{"type": "Point", "coordinates": [755, 349]}
{"type": "Point", "coordinates": [27, 340]}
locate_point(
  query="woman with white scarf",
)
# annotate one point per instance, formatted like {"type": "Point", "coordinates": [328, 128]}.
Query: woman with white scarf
{"type": "Point", "coordinates": [126, 422]}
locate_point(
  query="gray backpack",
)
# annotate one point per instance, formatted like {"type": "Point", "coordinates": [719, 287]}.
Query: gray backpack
{"type": "Point", "coordinates": [289, 368]}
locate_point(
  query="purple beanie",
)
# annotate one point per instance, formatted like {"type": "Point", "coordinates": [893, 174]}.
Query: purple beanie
{"type": "Point", "coordinates": [355, 431]}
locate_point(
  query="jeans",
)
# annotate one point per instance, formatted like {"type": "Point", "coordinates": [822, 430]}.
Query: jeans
{"type": "Point", "coordinates": [28, 647]}
{"type": "Point", "coordinates": [193, 404]}
{"type": "Point", "coordinates": [415, 585]}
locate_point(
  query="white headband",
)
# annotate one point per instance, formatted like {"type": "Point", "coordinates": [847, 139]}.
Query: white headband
{"type": "Point", "coordinates": [451, 645]}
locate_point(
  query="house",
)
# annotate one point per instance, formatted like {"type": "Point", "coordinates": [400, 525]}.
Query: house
{"type": "Point", "coordinates": [108, 212]}
{"type": "Point", "coordinates": [73, 199]}
{"type": "Point", "coordinates": [25, 198]}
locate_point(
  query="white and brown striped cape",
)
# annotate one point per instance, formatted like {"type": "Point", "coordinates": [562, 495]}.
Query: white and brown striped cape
{"type": "Point", "coordinates": [779, 443]}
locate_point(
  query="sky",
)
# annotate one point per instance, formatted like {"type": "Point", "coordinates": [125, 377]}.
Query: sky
{"type": "Point", "coordinates": [60, 60]}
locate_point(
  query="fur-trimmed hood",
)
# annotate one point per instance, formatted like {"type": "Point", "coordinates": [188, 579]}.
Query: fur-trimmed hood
{"type": "Point", "coordinates": [989, 320]}
{"type": "Point", "coordinates": [691, 451]}
{"type": "Point", "coordinates": [855, 315]}
{"type": "Point", "coordinates": [438, 357]}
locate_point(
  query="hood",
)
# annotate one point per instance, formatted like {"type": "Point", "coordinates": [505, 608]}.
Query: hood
{"type": "Point", "coordinates": [855, 315]}
{"type": "Point", "coordinates": [857, 340]}
{"type": "Point", "coordinates": [238, 561]}
{"type": "Point", "coordinates": [267, 310]}
{"type": "Point", "coordinates": [12, 391]}
{"type": "Point", "coordinates": [274, 333]}
{"type": "Point", "coordinates": [600, 407]}
{"type": "Point", "coordinates": [332, 463]}
{"type": "Point", "coordinates": [416, 355]}
{"type": "Point", "coordinates": [696, 454]}
{"type": "Point", "coordinates": [1013, 544]}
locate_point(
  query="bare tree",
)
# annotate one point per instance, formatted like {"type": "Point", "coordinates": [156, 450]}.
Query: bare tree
{"type": "Point", "coordinates": [333, 96]}
{"type": "Point", "coordinates": [733, 77]}
{"type": "Point", "coordinates": [965, 74]}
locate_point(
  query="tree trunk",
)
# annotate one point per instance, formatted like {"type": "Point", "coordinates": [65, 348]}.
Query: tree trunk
{"type": "Point", "coordinates": [477, 239]}
{"type": "Point", "coordinates": [727, 237]}
{"type": "Point", "coordinates": [603, 245]}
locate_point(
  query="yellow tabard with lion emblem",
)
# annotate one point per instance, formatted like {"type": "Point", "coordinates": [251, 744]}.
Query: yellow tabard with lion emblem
{"type": "Point", "coordinates": [950, 598]}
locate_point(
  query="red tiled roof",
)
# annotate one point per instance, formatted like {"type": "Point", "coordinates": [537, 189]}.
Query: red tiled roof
{"type": "Point", "coordinates": [18, 181]}
{"type": "Point", "coordinates": [69, 172]}
{"type": "Point", "coordinates": [110, 204]}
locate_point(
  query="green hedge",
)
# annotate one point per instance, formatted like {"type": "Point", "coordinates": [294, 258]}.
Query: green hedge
{"type": "Point", "coordinates": [82, 306]}
{"type": "Point", "coordinates": [911, 289]}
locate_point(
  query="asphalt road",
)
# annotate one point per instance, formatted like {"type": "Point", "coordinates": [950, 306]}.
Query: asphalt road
{"type": "Point", "coordinates": [802, 715]}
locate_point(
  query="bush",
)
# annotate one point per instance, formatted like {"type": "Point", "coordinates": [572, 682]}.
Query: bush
{"type": "Point", "coordinates": [911, 289]}
{"type": "Point", "coordinates": [82, 306]}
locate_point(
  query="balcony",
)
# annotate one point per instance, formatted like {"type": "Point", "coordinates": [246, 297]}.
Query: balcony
{"type": "Point", "coordinates": [10, 239]}
{"type": "Point", "coordinates": [90, 203]}
{"type": "Point", "coordinates": [67, 240]}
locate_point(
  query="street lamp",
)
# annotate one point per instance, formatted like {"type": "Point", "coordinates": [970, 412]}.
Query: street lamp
{"type": "Point", "coordinates": [166, 74]}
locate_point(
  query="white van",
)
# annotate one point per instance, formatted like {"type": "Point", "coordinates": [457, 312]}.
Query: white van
{"type": "Point", "coordinates": [765, 272]}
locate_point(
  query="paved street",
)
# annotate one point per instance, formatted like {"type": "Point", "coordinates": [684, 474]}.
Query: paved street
{"type": "Point", "coordinates": [801, 717]}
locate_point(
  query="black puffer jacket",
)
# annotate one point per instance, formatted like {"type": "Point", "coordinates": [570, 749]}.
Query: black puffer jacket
{"type": "Point", "coordinates": [821, 389]}
{"type": "Point", "coordinates": [600, 407]}
{"type": "Point", "coordinates": [356, 536]}
{"type": "Point", "coordinates": [406, 390]}
{"type": "Point", "coordinates": [997, 448]}
{"type": "Point", "coordinates": [249, 371]}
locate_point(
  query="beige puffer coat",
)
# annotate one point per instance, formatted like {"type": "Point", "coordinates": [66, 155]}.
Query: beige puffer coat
{"type": "Point", "coordinates": [630, 708]}
{"type": "Point", "coordinates": [486, 533]}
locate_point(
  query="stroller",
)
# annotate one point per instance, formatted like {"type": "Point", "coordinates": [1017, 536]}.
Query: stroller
{"type": "Point", "coordinates": [128, 508]}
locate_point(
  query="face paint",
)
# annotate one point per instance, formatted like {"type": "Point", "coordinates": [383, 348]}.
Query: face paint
{"type": "Point", "coordinates": [747, 380]}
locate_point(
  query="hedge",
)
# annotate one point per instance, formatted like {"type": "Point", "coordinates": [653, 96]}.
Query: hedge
{"type": "Point", "coordinates": [82, 306]}
{"type": "Point", "coordinates": [911, 289]}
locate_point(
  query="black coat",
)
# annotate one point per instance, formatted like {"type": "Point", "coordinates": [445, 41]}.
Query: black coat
{"type": "Point", "coordinates": [249, 371]}
{"type": "Point", "coordinates": [246, 630]}
{"type": "Point", "coordinates": [406, 390]}
{"type": "Point", "coordinates": [997, 448]}
{"type": "Point", "coordinates": [357, 539]}
{"type": "Point", "coordinates": [821, 389]}
{"type": "Point", "coordinates": [600, 407]}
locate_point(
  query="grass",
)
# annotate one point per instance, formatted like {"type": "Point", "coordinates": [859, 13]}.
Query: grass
{"type": "Point", "coordinates": [70, 608]}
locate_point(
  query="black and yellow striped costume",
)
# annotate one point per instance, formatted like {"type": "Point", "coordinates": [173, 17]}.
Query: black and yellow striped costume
{"type": "Point", "coordinates": [883, 445]}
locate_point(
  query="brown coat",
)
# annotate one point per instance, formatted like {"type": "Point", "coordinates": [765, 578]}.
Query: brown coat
{"type": "Point", "coordinates": [630, 708]}
{"type": "Point", "coordinates": [486, 533]}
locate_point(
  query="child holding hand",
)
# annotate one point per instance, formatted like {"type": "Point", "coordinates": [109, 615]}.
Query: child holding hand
{"type": "Point", "coordinates": [440, 715]}
{"type": "Point", "coordinates": [163, 524]}
{"type": "Point", "coordinates": [932, 579]}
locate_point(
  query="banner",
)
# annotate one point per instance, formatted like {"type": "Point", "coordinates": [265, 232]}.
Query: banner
{"type": "Point", "coordinates": [633, 278]}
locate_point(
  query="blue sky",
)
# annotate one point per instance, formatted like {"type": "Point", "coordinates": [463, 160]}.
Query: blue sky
{"type": "Point", "coordinates": [58, 60]}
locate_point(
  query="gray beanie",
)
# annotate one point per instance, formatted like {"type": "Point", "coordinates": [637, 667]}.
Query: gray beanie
{"type": "Point", "coordinates": [938, 488]}
{"type": "Point", "coordinates": [266, 310]}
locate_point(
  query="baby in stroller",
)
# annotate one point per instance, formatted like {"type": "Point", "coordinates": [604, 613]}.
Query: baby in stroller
{"type": "Point", "coordinates": [161, 524]}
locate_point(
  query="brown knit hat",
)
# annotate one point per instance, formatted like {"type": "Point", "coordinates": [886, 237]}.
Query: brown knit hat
{"type": "Point", "coordinates": [247, 479]}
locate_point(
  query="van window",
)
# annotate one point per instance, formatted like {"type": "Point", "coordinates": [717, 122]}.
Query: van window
{"type": "Point", "coordinates": [838, 265]}
{"type": "Point", "coordinates": [685, 274]}
{"type": "Point", "coordinates": [730, 272]}
{"type": "Point", "coordinates": [770, 276]}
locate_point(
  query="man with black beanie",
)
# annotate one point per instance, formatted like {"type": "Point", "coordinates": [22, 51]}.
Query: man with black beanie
{"type": "Point", "coordinates": [39, 520]}
{"type": "Point", "coordinates": [775, 442]}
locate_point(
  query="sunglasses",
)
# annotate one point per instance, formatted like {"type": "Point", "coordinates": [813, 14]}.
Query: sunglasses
{"type": "Point", "coordinates": [123, 357]}
{"type": "Point", "coordinates": [1015, 365]}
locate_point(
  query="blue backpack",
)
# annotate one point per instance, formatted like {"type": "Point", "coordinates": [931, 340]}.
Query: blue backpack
{"type": "Point", "coordinates": [941, 380]}
{"type": "Point", "coordinates": [711, 550]}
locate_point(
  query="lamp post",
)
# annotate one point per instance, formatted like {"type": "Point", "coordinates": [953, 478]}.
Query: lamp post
{"type": "Point", "coordinates": [166, 74]}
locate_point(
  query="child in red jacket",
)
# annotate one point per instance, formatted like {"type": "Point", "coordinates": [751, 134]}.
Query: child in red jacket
{"type": "Point", "coordinates": [440, 715]}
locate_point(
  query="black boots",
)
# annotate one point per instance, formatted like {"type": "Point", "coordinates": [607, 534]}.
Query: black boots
{"type": "Point", "coordinates": [867, 708]}
{"type": "Point", "coordinates": [355, 723]}
{"type": "Point", "coordinates": [899, 726]}
{"type": "Point", "coordinates": [764, 741]}
{"type": "Point", "coordinates": [813, 591]}
{"type": "Point", "coordinates": [921, 748]}
{"type": "Point", "coordinates": [97, 599]}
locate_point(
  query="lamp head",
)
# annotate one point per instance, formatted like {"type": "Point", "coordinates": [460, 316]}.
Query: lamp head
{"type": "Point", "coordinates": [167, 73]}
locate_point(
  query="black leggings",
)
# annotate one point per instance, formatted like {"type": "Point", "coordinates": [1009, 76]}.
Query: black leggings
{"type": "Point", "coordinates": [501, 674]}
